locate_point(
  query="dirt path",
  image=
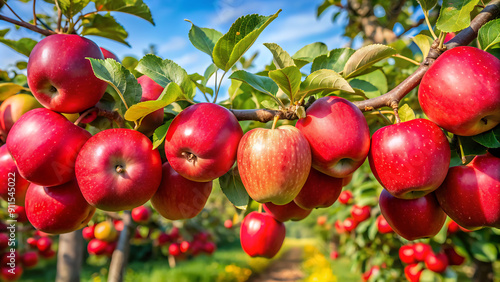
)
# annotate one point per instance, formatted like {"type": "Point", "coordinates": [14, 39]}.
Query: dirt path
{"type": "Point", "coordinates": [286, 268]}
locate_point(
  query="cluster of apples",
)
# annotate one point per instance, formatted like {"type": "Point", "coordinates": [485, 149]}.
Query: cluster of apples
{"type": "Point", "coordinates": [182, 248]}
{"type": "Point", "coordinates": [102, 237]}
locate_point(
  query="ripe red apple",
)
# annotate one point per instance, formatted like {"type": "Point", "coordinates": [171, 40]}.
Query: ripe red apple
{"type": "Point", "coordinates": [60, 76]}
{"type": "Point", "coordinates": [32, 242]}
{"type": "Point", "coordinates": [453, 227]}
{"type": "Point", "coordinates": [13, 108]}
{"type": "Point", "coordinates": [43, 244]}
{"type": "Point", "coordinates": [360, 213]}
{"type": "Point", "coordinates": [321, 220]}
{"type": "Point", "coordinates": [29, 259]}
{"type": "Point", "coordinates": [88, 232]}
{"type": "Point", "coordinates": [319, 191]}
{"type": "Point", "coordinates": [407, 254]}
{"type": "Point", "coordinates": [96, 247]}
{"type": "Point", "coordinates": [454, 258]}
{"type": "Point", "coordinates": [174, 249]}
{"type": "Point", "coordinates": [345, 197]}
{"type": "Point", "coordinates": [346, 180]}
{"type": "Point", "coordinates": [421, 251]}
{"type": "Point", "coordinates": [449, 36]}
{"type": "Point", "coordinates": [436, 262]}
{"type": "Point", "coordinates": [412, 219]}
{"type": "Point", "coordinates": [228, 223]}
{"type": "Point", "coordinates": [114, 165]}
{"type": "Point", "coordinates": [413, 272]}
{"type": "Point", "coordinates": [261, 235]}
{"type": "Point", "coordinates": [339, 154]}
{"type": "Point", "coordinates": [163, 238]}
{"type": "Point", "coordinates": [58, 209]}
{"type": "Point", "coordinates": [11, 274]}
{"type": "Point", "coordinates": [150, 91]}
{"type": "Point", "coordinates": [141, 214]}
{"type": "Point", "coordinates": [108, 54]}
{"type": "Point", "coordinates": [48, 254]}
{"type": "Point", "coordinates": [383, 226]}
{"type": "Point", "coordinates": [44, 145]}
{"type": "Point", "coordinates": [185, 246]}
{"type": "Point", "coordinates": [201, 142]}
{"type": "Point", "coordinates": [459, 76]}
{"type": "Point", "coordinates": [12, 185]}
{"type": "Point", "coordinates": [334, 255]}
{"type": "Point", "coordinates": [349, 224]}
{"type": "Point", "coordinates": [410, 159]}
{"type": "Point", "coordinates": [469, 194]}
{"type": "Point", "coordinates": [290, 211]}
{"type": "Point", "coordinates": [274, 163]}
{"type": "Point", "coordinates": [209, 247]}
{"type": "Point", "coordinates": [110, 248]}
{"type": "Point", "coordinates": [339, 227]}
{"type": "Point", "coordinates": [178, 197]}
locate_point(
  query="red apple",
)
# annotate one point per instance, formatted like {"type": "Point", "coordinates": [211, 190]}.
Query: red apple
{"type": "Point", "coordinates": [108, 54]}
{"type": "Point", "coordinates": [412, 219]}
{"type": "Point", "coordinates": [345, 197]}
{"type": "Point", "coordinates": [349, 224]}
{"type": "Point", "coordinates": [4, 241]}
{"type": "Point", "coordinates": [454, 258]}
{"type": "Point", "coordinates": [321, 220]}
{"type": "Point", "coordinates": [410, 159]}
{"type": "Point", "coordinates": [261, 235]}
{"type": "Point", "coordinates": [407, 254]}
{"type": "Point", "coordinates": [185, 246]}
{"type": "Point", "coordinates": [469, 194]}
{"type": "Point", "coordinates": [228, 223]}
{"type": "Point", "coordinates": [48, 254]}
{"type": "Point", "coordinates": [413, 272]}
{"type": "Point", "coordinates": [44, 145]}
{"type": "Point", "coordinates": [360, 213]}
{"type": "Point", "coordinates": [97, 247]}
{"type": "Point", "coordinates": [459, 76]}
{"type": "Point", "coordinates": [178, 197]}
{"type": "Point", "coordinates": [339, 154]}
{"type": "Point", "coordinates": [11, 274]}
{"type": "Point", "coordinates": [319, 191]}
{"type": "Point", "coordinates": [383, 226]}
{"type": "Point", "coordinates": [163, 238]}
{"type": "Point", "coordinates": [290, 211]}
{"type": "Point", "coordinates": [20, 213]}
{"type": "Point", "coordinates": [209, 247]}
{"type": "Point", "coordinates": [88, 232]}
{"type": "Point", "coordinates": [436, 262]}
{"type": "Point", "coordinates": [274, 163]}
{"type": "Point", "coordinates": [32, 242]}
{"type": "Point", "coordinates": [339, 227]}
{"type": "Point", "coordinates": [150, 91]}
{"type": "Point", "coordinates": [12, 185]}
{"type": "Point", "coordinates": [29, 259]}
{"type": "Point", "coordinates": [453, 227]}
{"type": "Point", "coordinates": [174, 249]}
{"type": "Point", "coordinates": [334, 255]}
{"type": "Point", "coordinates": [110, 248]}
{"type": "Point", "coordinates": [114, 165]}
{"type": "Point", "coordinates": [43, 244]}
{"type": "Point", "coordinates": [346, 180]}
{"type": "Point", "coordinates": [449, 36]}
{"type": "Point", "coordinates": [13, 108]}
{"type": "Point", "coordinates": [141, 214]}
{"type": "Point", "coordinates": [118, 224]}
{"type": "Point", "coordinates": [201, 142]}
{"type": "Point", "coordinates": [58, 209]}
{"type": "Point", "coordinates": [60, 76]}
{"type": "Point", "coordinates": [421, 251]}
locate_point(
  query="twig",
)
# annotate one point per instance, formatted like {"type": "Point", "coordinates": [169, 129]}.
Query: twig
{"type": "Point", "coordinates": [27, 25]}
{"type": "Point", "coordinates": [15, 14]}
{"type": "Point", "coordinates": [34, 13]}
{"type": "Point", "coordinates": [59, 17]}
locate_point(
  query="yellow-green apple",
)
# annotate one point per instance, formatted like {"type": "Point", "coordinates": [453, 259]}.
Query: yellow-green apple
{"type": "Point", "coordinates": [469, 194]}
{"type": "Point", "coordinates": [436, 262]}
{"type": "Point", "coordinates": [264, 178]}
{"type": "Point", "coordinates": [290, 211]}
{"type": "Point", "coordinates": [461, 91]}
{"type": "Point", "coordinates": [338, 134]}
{"type": "Point", "coordinates": [13, 108]}
{"type": "Point", "coordinates": [106, 231]}
{"type": "Point", "coordinates": [201, 142]}
{"type": "Point", "coordinates": [44, 146]}
{"type": "Point", "coordinates": [360, 213]}
{"type": "Point", "coordinates": [141, 214]}
{"type": "Point", "coordinates": [108, 54]}
{"type": "Point", "coordinates": [60, 76]}
{"type": "Point", "coordinates": [58, 209]}
{"type": "Point", "coordinates": [412, 219]}
{"type": "Point", "coordinates": [407, 254]}
{"type": "Point", "coordinates": [410, 159]}
{"type": "Point", "coordinates": [261, 235]}
{"type": "Point", "coordinates": [383, 226]}
{"type": "Point", "coordinates": [178, 197]}
{"type": "Point", "coordinates": [319, 191]}
{"type": "Point", "coordinates": [12, 185]}
{"type": "Point", "coordinates": [114, 165]}
{"type": "Point", "coordinates": [150, 91]}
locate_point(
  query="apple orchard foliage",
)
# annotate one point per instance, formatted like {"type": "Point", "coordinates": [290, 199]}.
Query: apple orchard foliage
{"type": "Point", "coordinates": [132, 116]}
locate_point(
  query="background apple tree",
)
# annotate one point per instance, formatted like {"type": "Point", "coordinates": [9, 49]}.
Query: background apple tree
{"type": "Point", "coordinates": [381, 78]}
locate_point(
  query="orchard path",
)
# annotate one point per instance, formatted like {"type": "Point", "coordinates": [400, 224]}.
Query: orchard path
{"type": "Point", "coordinates": [286, 268]}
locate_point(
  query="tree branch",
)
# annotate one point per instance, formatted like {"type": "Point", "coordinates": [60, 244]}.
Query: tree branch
{"type": "Point", "coordinates": [465, 37]}
{"type": "Point", "coordinates": [27, 25]}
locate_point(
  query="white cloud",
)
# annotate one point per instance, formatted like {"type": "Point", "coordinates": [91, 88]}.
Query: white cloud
{"type": "Point", "coordinates": [175, 43]}
{"type": "Point", "coordinates": [227, 11]}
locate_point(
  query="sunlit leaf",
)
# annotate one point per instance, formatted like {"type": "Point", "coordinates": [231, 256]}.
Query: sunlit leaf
{"type": "Point", "coordinates": [288, 80]}
{"type": "Point", "coordinates": [204, 39]}
{"type": "Point", "coordinates": [423, 42]}
{"type": "Point", "coordinates": [104, 26]}
{"type": "Point", "coordinates": [322, 80]}
{"type": "Point", "coordinates": [134, 7]}
{"type": "Point", "coordinates": [455, 15]}
{"type": "Point", "coordinates": [334, 60]}
{"type": "Point", "coordinates": [489, 34]}
{"type": "Point", "coordinates": [281, 58]}
{"type": "Point", "coordinates": [365, 57]}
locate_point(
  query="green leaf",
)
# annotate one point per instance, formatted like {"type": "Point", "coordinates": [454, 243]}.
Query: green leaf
{"type": "Point", "coordinates": [470, 146]}
{"type": "Point", "coordinates": [232, 187]}
{"type": "Point", "coordinates": [288, 79]}
{"type": "Point", "coordinates": [489, 139]}
{"type": "Point", "coordinates": [334, 60]}
{"type": "Point", "coordinates": [8, 89]}
{"type": "Point", "coordinates": [489, 34]}
{"type": "Point", "coordinates": [365, 57]}
{"type": "Point", "coordinates": [22, 65]}
{"type": "Point", "coordinates": [134, 7]}
{"type": "Point", "coordinates": [240, 37]}
{"type": "Point", "coordinates": [455, 15]}
{"type": "Point", "coordinates": [311, 51]}
{"type": "Point", "coordinates": [484, 251]}
{"type": "Point", "coordinates": [203, 39]}
{"type": "Point", "coordinates": [423, 42]}
{"type": "Point", "coordinates": [322, 80]}
{"type": "Point", "coordinates": [142, 109]}
{"type": "Point", "coordinates": [427, 5]}
{"type": "Point", "coordinates": [72, 7]}
{"type": "Point", "coordinates": [160, 134]}
{"type": "Point", "coordinates": [260, 83]}
{"type": "Point", "coordinates": [104, 26]}
{"type": "Point", "coordinates": [165, 71]}
{"type": "Point", "coordinates": [373, 84]}
{"type": "Point", "coordinates": [121, 79]}
{"type": "Point", "coordinates": [406, 113]}
{"type": "Point", "coordinates": [429, 276]}
{"type": "Point", "coordinates": [23, 45]}
{"type": "Point", "coordinates": [281, 58]}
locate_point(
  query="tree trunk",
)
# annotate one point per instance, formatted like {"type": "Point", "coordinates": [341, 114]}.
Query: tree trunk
{"type": "Point", "coordinates": [69, 257]}
{"type": "Point", "coordinates": [120, 255]}
{"type": "Point", "coordinates": [483, 271]}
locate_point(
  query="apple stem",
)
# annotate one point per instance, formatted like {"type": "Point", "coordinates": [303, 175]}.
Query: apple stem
{"type": "Point", "coordinates": [462, 154]}
{"type": "Point", "coordinates": [394, 106]}
{"type": "Point", "coordinates": [276, 118]}
{"type": "Point", "coordinates": [442, 36]}
{"type": "Point", "coordinates": [84, 114]}
{"type": "Point", "coordinates": [120, 169]}
{"type": "Point", "coordinates": [190, 157]}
